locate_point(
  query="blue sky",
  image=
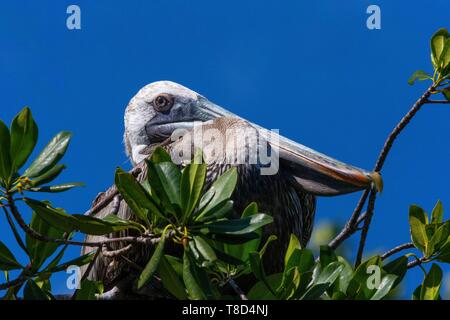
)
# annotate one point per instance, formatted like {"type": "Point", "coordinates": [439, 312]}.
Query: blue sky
{"type": "Point", "coordinates": [309, 68]}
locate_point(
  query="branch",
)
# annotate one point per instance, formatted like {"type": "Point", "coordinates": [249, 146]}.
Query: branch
{"type": "Point", "coordinates": [15, 232]}
{"type": "Point", "coordinates": [365, 230]}
{"type": "Point", "coordinates": [144, 239]}
{"type": "Point", "coordinates": [417, 262]}
{"type": "Point", "coordinates": [438, 101]}
{"type": "Point", "coordinates": [399, 248]}
{"type": "Point", "coordinates": [115, 253]}
{"type": "Point", "coordinates": [237, 289]}
{"type": "Point", "coordinates": [111, 193]}
{"type": "Point", "coordinates": [351, 226]}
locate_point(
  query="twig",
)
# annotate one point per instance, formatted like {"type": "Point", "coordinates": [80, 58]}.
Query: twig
{"type": "Point", "coordinates": [15, 232]}
{"type": "Point", "coordinates": [13, 283]}
{"type": "Point", "coordinates": [351, 227]}
{"type": "Point", "coordinates": [86, 272]}
{"type": "Point", "coordinates": [397, 249]}
{"type": "Point", "coordinates": [416, 262]}
{"type": "Point", "coordinates": [34, 234]}
{"type": "Point", "coordinates": [237, 289]}
{"type": "Point", "coordinates": [438, 101]}
{"type": "Point", "coordinates": [115, 253]}
{"type": "Point", "coordinates": [365, 229]}
{"type": "Point", "coordinates": [111, 194]}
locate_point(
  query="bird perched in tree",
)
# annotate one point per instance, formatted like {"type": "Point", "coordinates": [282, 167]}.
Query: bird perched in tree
{"type": "Point", "coordinates": [281, 176]}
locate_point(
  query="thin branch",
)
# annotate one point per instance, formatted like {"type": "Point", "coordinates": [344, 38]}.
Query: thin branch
{"type": "Point", "coordinates": [397, 249]}
{"type": "Point", "coordinates": [111, 194]}
{"type": "Point", "coordinates": [34, 234]}
{"type": "Point", "coordinates": [351, 226]}
{"type": "Point", "coordinates": [13, 283]}
{"type": "Point", "coordinates": [115, 253]}
{"type": "Point", "coordinates": [237, 289]}
{"type": "Point", "coordinates": [365, 229]}
{"type": "Point", "coordinates": [416, 262]}
{"type": "Point", "coordinates": [438, 101]}
{"type": "Point", "coordinates": [15, 232]}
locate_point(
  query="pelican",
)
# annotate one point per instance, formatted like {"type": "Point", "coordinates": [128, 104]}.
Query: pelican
{"type": "Point", "coordinates": [286, 190]}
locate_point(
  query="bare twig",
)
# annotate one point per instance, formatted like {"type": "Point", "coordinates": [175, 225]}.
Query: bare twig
{"type": "Point", "coordinates": [416, 262]}
{"type": "Point", "coordinates": [351, 226]}
{"type": "Point", "coordinates": [438, 101]}
{"type": "Point", "coordinates": [111, 194]}
{"type": "Point", "coordinates": [365, 229]}
{"type": "Point", "coordinates": [15, 232]}
{"type": "Point", "coordinates": [115, 253]}
{"type": "Point", "coordinates": [397, 249]}
{"type": "Point", "coordinates": [34, 234]}
{"type": "Point", "coordinates": [237, 289]}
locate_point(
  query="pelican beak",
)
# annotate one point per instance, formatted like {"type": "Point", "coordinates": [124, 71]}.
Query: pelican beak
{"type": "Point", "coordinates": [321, 175]}
{"type": "Point", "coordinates": [316, 173]}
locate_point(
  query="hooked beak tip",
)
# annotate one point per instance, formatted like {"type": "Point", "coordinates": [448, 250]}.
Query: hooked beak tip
{"type": "Point", "coordinates": [377, 181]}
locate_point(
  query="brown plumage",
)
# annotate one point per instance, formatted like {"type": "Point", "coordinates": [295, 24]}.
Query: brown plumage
{"type": "Point", "coordinates": [155, 113]}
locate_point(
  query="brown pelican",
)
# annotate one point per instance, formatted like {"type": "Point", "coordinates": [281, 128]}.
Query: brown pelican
{"type": "Point", "coordinates": [162, 108]}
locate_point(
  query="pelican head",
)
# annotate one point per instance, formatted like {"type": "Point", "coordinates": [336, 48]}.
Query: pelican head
{"type": "Point", "coordinates": [162, 107]}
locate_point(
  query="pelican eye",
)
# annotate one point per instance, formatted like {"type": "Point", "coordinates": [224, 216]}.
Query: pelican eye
{"type": "Point", "coordinates": [163, 102]}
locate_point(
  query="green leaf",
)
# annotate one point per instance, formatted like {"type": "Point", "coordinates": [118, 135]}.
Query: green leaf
{"type": "Point", "coordinates": [431, 284]}
{"type": "Point", "coordinates": [416, 293]}
{"type": "Point", "coordinates": [57, 188]}
{"type": "Point", "coordinates": [134, 195]}
{"type": "Point", "coordinates": [33, 292]}
{"type": "Point", "coordinates": [439, 238]}
{"type": "Point", "coordinates": [153, 263]}
{"type": "Point", "coordinates": [293, 245]}
{"type": "Point", "coordinates": [195, 279]}
{"type": "Point", "coordinates": [51, 154]}
{"type": "Point", "coordinates": [5, 157]}
{"type": "Point", "coordinates": [444, 254]}
{"type": "Point", "coordinates": [87, 290]}
{"type": "Point", "coordinates": [86, 224]}
{"type": "Point", "coordinates": [387, 283]}
{"type": "Point", "coordinates": [419, 75]}
{"type": "Point", "coordinates": [236, 226]}
{"type": "Point", "coordinates": [437, 47]}
{"type": "Point", "coordinates": [327, 256]}
{"type": "Point", "coordinates": [160, 155]}
{"type": "Point", "coordinates": [437, 215]}
{"type": "Point", "coordinates": [345, 276]}
{"type": "Point", "coordinates": [192, 182]}
{"type": "Point", "coordinates": [7, 260]}
{"type": "Point", "coordinates": [204, 249]}
{"type": "Point", "coordinates": [24, 134]}
{"type": "Point", "coordinates": [446, 93]}
{"type": "Point", "coordinates": [397, 267]}
{"type": "Point", "coordinates": [445, 57]}
{"type": "Point", "coordinates": [259, 290]}
{"type": "Point", "coordinates": [222, 189]}
{"type": "Point", "coordinates": [417, 222]}
{"type": "Point", "coordinates": [171, 280]}
{"type": "Point", "coordinates": [315, 292]}
{"type": "Point", "coordinates": [303, 259]}
{"type": "Point", "coordinates": [79, 261]}
{"type": "Point", "coordinates": [48, 176]}
{"type": "Point", "coordinates": [170, 177]}
{"type": "Point", "coordinates": [220, 211]}
{"type": "Point", "coordinates": [164, 179]}
{"type": "Point", "coordinates": [330, 273]}
{"type": "Point", "coordinates": [258, 270]}
{"type": "Point", "coordinates": [358, 284]}
{"type": "Point", "coordinates": [41, 250]}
